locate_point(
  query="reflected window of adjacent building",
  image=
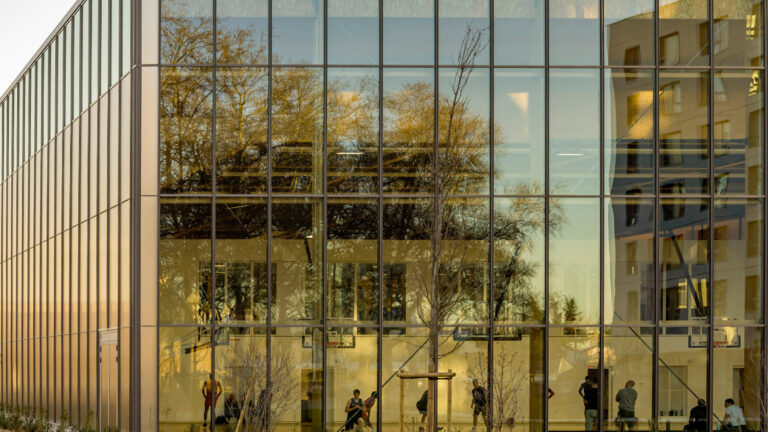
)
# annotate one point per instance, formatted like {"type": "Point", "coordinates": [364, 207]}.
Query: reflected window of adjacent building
{"type": "Point", "coordinates": [737, 33]}
{"type": "Point", "coordinates": [682, 40]}
{"type": "Point", "coordinates": [624, 18]}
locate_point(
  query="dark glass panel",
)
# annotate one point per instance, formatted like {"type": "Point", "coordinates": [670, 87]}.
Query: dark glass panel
{"type": "Point", "coordinates": [682, 376]}
{"type": "Point", "coordinates": [629, 144]}
{"type": "Point", "coordinates": [518, 32]}
{"type": "Point", "coordinates": [353, 271]}
{"type": "Point", "coordinates": [464, 32]}
{"type": "Point", "coordinates": [519, 132]}
{"type": "Point", "coordinates": [297, 130]}
{"type": "Point", "coordinates": [739, 365]}
{"type": "Point", "coordinates": [408, 130]}
{"type": "Point", "coordinates": [737, 33]}
{"type": "Point", "coordinates": [241, 261]}
{"type": "Point", "coordinates": [684, 259]}
{"type": "Point", "coordinates": [738, 132]}
{"type": "Point", "coordinates": [738, 257]}
{"type": "Point", "coordinates": [518, 253]}
{"type": "Point", "coordinates": [185, 281]}
{"type": "Point", "coordinates": [353, 32]}
{"type": "Point", "coordinates": [574, 131]}
{"type": "Point", "coordinates": [683, 132]}
{"type": "Point", "coordinates": [629, 270]}
{"type": "Point", "coordinates": [464, 131]}
{"type": "Point", "coordinates": [296, 376]}
{"type": "Point", "coordinates": [574, 32]}
{"type": "Point", "coordinates": [297, 252]}
{"type": "Point", "coordinates": [186, 31]}
{"type": "Point", "coordinates": [352, 353]}
{"type": "Point", "coordinates": [241, 130]}
{"type": "Point", "coordinates": [353, 131]}
{"type": "Point", "coordinates": [629, 32]}
{"type": "Point", "coordinates": [409, 23]}
{"type": "Point", "coordinates": [574, 353]}
{"type": "Point", "coordinates": [628, 358]}
{"type": "Point", "coordinates": [683, 33]}
{"type": "Point", "coordinates": [574, 261]}
{"type": "Point", "coordinates": [242, 36]}
{"type": "Point", "coordinates": [183, 371]}
{"type": "Point", "coordinates": [297, 31]}
{"type": "Point", "coordinates": [185, 129]}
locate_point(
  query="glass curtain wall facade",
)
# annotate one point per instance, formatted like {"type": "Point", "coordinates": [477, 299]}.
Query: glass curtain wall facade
{"type": "Point", "coordinates": [526, 193]}
{"type": "Point", "coordinates": [65, 223]}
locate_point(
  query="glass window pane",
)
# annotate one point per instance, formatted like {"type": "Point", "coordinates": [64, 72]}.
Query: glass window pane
{"type": "Point", "coordinates": [296, 375]}
{"type": "Point", "coordinates": [574, 131]}
{"type": "Point", "coordinates": [352, 351]}
{"type": "Point", "coordinates": [186, 283]}
{"type": "Point", "coordinates": [684, 259]}
{"type": "Point", "coordinates": [297, 251]}
{"type": "Point", "coordinates": [297, 31]}
{"type": "Point", "coordinates": [185, 129]}
{"type": "Point", "coordinates": [574, 353]}
{"type": "Point", "coordinates": [104, 47]}
{"type": "Point", "coordinates": [114, 36]}
{"type": "Point", "coordinates": [241, 130]}
{"type": "Point", "coordinates": [629, 251]}
{"type": "Point", "coordinates": [126, 35]}
{"type": "Point", "coordinates": [518, 32]}
{"type": "Point", "coordinates": [628, 355]}
{"type": "Point", "coordinates": [94, 54]}
{"type": "Point", "coordinates": [574, 260]}
{"type": "Point", "coordinates": [297, 130]}
{"type": "Point", "coordinates": [738, 131]}
{"type": "Point", "coordinates": [353, 131]}
{"type": "Point", "coordinates": [738, 255]}
{"type": "Point", "coordinates": [738, 33]}
{"type": "Point", "coordinates": [464, 29]}
{"type": "Point", "coordinates": [629, 32]}
{"type": "Point", "coordinates": [242, 34]}
{"type": "Point", "coordinates": [406, 227]}
{"type": "Point", "coordinates": [682, 375]}
{"type": "Point", "coordinates": [186, 31]}
{"type": "Point", "coordinates": [409, 23]}
{"type": "Point", "coordinates": [683, 33]}
{"type": "Point", "coordinates": [629, 144]}
{"type": "Point", "coordinates": [353, 271]}
{"type": "Point", "coordinates": [409, 118]}
{"type": "Point", "coordinates": [684, 132]}
{"type": "Point", "coordinates": [465, 351]}
{"type": "Point", "coordinates": [353, 32]}
{"type": "Point", "coordinates": [574, 32]}
{"type": "Point", "coordinates": [464, 113]}
{"type": "Point", "coordinates": [403, 348]}
{"type": "Point", "coordinates": [519, 132]}
{"type": "Point", "coordinates": [184, 368]}
{"type": "Point", "coordinates": [241, 261]}
{"type": "Point", "coordinates": [739, 362]}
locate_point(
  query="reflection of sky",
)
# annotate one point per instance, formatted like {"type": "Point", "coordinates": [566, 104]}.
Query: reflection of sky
{"type": "Point", "coordinates": [298, 39]}
{"type": "Point", "coordinates": [353, 40]}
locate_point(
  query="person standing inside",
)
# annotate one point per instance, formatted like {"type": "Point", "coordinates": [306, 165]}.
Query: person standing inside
{"type": "Point", "coordinates": [211, 393]}
{"type": "Point", "coordinates": [367, 405]}
{"type": "Point", "coordinates": [479, 404]}
{"type": "Point", "coordinates": [734, 416]}
{"type": "Point", "coordinates": [697, 419]}
{"type": "Point", "coordinates": [584, 387]}
{"type": "Point", "coordinates": [354, 410]}
{"type": "Point", "coordinates": [626, 398]}
{"type": "Point", "coordinates": [591, 396]}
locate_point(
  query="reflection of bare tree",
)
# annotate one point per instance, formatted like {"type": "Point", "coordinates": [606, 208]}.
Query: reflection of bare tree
{"type": "Point", "coordinates": [263, 403]}
{"type": "Point", "coordinates": [507, 383]}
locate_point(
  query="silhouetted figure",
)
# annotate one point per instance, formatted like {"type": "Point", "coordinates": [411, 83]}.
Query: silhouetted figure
{"type": "Point", "coordinates": [697, 419]}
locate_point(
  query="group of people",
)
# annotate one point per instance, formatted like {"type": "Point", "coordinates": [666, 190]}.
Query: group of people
{"type": "Point", "coordinates": [359, 411]}
{"type": "Point", "coordinates": [626, 398]}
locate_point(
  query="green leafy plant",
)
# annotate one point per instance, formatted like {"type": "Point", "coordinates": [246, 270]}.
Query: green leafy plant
{"type": "Point", "coordinates": [111, 429]}
{"type": "Point", "coordinates": [87, 426]}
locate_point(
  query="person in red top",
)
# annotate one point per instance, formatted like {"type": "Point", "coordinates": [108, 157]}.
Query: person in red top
{"type": "Point", "coordinates": [210, 395]}
{"type": "Point", "coordinates": [367, 405]}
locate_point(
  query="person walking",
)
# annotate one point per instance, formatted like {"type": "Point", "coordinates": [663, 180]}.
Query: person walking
{"type": "Point", "coordinates": [734, 416]}
{"type": "Point", "coordinates": [354, 410]}
{"type": "Point", "coordinates": [591, 395]}
{"type": "Point", "coordinates": [479, 404]}
{"type": "Point", "coordinates": [626, 398]}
